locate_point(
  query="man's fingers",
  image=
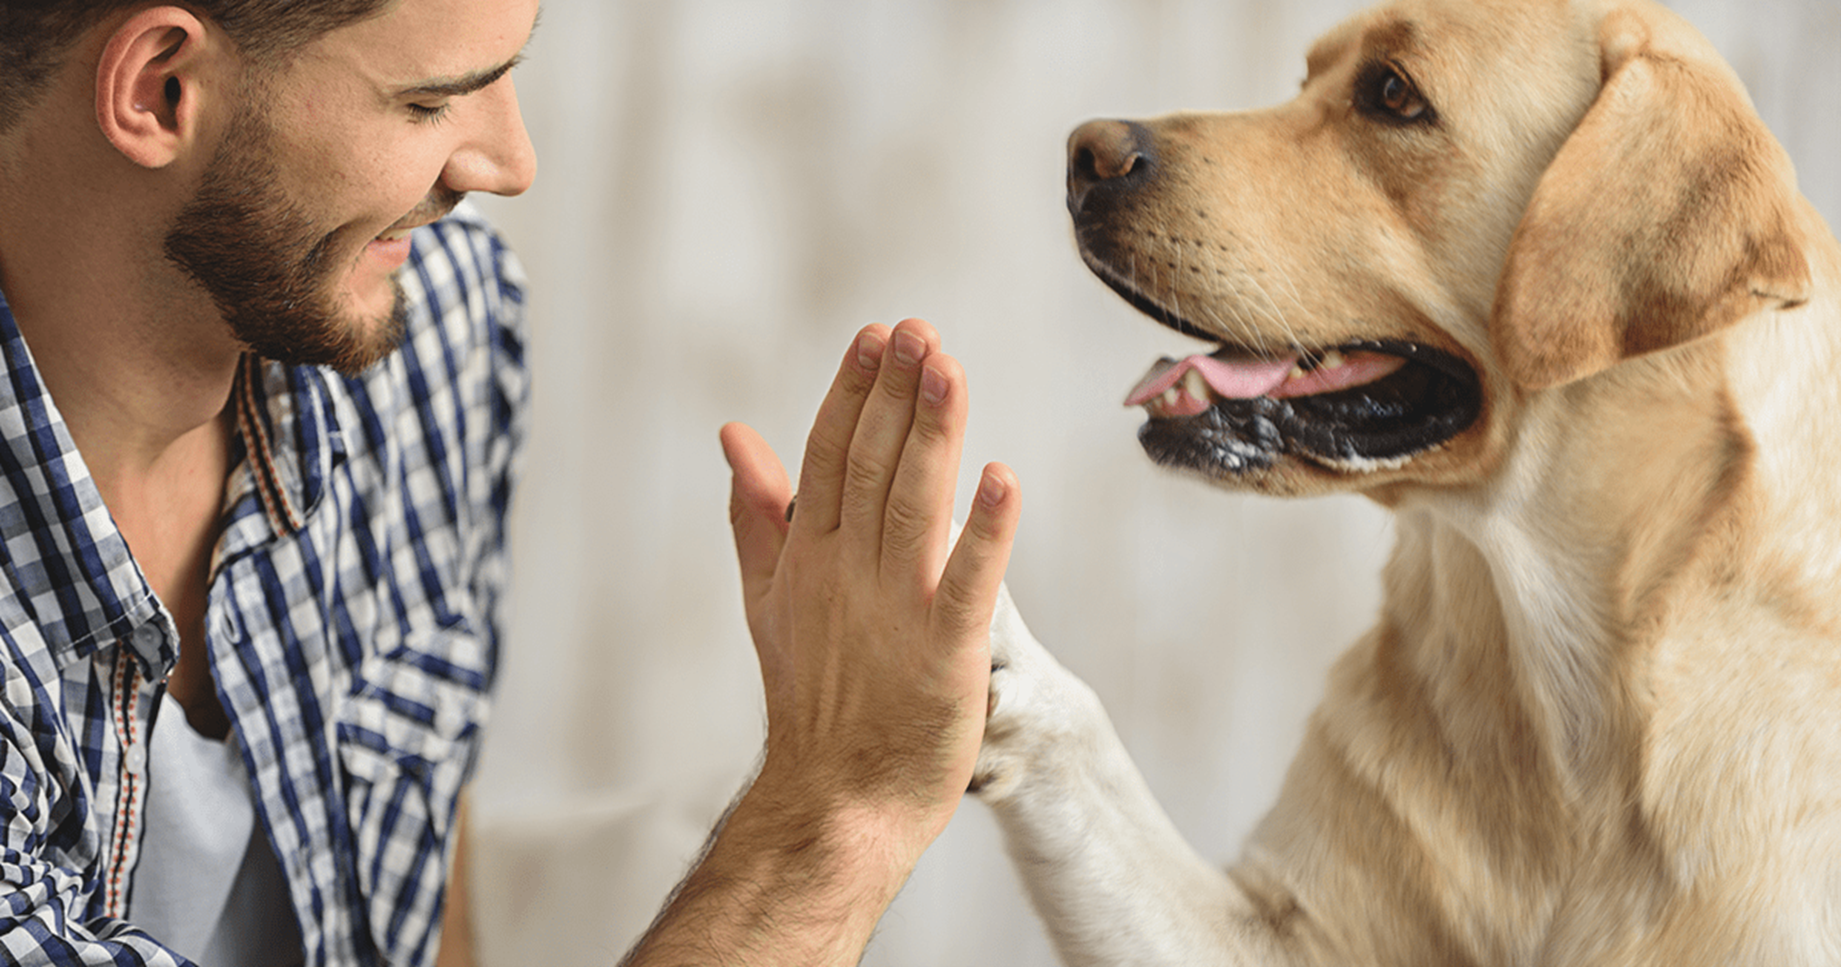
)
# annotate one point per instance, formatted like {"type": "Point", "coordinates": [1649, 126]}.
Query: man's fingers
{"type": "Point", "coordinates": [967, 594]}
{"type": "Point", "coordinates": [827, 449]}
{"type": "Point", "coordinates": [882, 431]}
{"type": "Point", "coordinates": [758, 497]}
{"type": "Point", "coordinates": [918, 515]}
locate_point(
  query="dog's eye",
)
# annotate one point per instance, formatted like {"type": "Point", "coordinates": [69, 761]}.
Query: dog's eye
{"type": "Point", "coordinates": [1387, 92]}
{"type": "Point", "coordinates": [1397, 95]}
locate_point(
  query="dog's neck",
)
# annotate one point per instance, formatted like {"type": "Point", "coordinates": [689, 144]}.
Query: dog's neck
{"type": "Point", "coordinates": [1694, 489]}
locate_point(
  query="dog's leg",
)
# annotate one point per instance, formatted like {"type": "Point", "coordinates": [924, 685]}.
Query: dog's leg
{"type": "Point", "coordinates": [1107, 871]}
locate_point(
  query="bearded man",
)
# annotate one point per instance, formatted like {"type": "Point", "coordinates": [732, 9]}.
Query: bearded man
{"type": "Point", "coordinates": [264, 397]}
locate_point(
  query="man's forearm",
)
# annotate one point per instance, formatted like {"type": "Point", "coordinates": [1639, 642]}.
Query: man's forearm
{"type": "Point", "coordinates": [457, 921]}
{"type": "Point", "coordinates": [782, 883]}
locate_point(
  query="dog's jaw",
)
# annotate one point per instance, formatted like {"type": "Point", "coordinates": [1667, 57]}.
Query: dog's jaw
{"type": "Point", "coordinates": [1267, 422]}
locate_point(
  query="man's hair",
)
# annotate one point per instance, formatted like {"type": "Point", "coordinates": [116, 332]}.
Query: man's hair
{"type": "Point", "coordinates": [36, 35]}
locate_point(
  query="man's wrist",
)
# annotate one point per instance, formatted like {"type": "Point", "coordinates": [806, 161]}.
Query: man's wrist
{"type": "Point", "coordinates": [848, 838]}
{"type": "Point", "coordinates": [790, 877]}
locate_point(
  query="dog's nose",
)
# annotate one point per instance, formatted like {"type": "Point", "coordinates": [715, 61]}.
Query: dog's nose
{"type": "Point", "coordinates": [1106, 152]}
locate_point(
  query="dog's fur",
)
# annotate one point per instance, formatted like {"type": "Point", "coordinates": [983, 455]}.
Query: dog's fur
{"type": "Point", "coordinates": [1599, 721]}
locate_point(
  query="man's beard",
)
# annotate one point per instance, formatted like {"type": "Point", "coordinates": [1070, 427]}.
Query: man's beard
{"type": "Point", "coordinates": [268, 268]}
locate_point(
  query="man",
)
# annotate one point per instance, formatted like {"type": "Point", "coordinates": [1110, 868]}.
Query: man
{"type": "Point", "coordinates": [262, 404]}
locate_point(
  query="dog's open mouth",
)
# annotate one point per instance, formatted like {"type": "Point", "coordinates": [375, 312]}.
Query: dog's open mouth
{"type": "Point", "coordinates": [1354, 407]}
{"type": "Point", "coordinates": [1364, 405]}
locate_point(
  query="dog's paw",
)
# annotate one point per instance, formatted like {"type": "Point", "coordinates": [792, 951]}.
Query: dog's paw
{"type": "Point", "coordinates": [1037, 709]}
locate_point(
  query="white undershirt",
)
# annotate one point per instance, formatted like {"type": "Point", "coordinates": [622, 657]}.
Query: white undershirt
{"type": "Point", "coordinates": [207, 884]}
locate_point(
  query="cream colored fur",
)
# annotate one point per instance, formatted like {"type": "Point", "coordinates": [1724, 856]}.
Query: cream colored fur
{"type": "Point", "coordinates": [1599, 720]}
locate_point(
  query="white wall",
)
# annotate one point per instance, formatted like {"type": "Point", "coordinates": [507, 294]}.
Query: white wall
{"type": "Point", "coordinates": [728, 190]}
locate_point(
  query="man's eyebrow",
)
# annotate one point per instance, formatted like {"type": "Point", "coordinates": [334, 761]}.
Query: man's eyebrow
{"type": "Point", "coordinates": [463, 85]}
{"type": "Point", "coordinates": [477, 81]}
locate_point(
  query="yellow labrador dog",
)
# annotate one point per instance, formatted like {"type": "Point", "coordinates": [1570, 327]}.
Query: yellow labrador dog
{"type": "Point", "coordinates": [1532, 274]}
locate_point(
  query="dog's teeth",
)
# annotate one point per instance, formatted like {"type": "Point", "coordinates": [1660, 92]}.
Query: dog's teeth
{"type": "Point", "coordinates": [1332, 360]}
{"type": "Point", "coordinates": [1297, 372]}
{"type": "Point", "coordinates": [1195, 385]}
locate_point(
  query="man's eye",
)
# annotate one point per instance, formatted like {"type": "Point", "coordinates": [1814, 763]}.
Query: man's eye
{"type": "Point", "coordinates": [429, 113]}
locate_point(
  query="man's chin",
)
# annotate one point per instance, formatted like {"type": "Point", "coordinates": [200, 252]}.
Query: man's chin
{"type": "Point", "coordinates": [348, 341]}
{"type": "Point", "coordinates": [367, 340]}
{"type": "Point", "coordinates": [359, 356]}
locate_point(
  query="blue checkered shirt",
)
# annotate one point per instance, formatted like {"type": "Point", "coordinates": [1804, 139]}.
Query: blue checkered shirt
{"type": "Point", "coordinates": [351, 628]}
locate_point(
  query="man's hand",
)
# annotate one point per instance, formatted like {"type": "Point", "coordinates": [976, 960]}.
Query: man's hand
{"type": "Point", "coordinates": [874, 641]}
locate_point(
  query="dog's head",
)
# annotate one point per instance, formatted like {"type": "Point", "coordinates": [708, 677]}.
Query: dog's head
{"type": "Point", "coordinates": [1470, 203]}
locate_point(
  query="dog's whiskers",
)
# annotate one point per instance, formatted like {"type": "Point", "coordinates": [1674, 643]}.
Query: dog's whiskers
{"type": "Point", "coordinates": [1278, 314]}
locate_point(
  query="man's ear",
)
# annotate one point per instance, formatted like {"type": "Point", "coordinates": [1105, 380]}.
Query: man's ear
{"type": "Point", "coordinates": [149, 88]}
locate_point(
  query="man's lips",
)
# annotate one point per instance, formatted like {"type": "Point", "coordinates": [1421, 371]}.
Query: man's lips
{"type": "Point", "coordinates": [391, 253]}
{"type": "Point", "coordinates": [401, 229]}
{"type": "Point", "coordinates": [432, 209]}
{"type": "Point", "coordinates": [391, 246]}
{"type": "Point", "coordinates": [1190, 386]}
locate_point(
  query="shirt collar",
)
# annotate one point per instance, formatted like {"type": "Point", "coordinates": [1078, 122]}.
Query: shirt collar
{"type": "Point", "coordinates": [71, 566]}
{"type": "Point", "coordinates": [290, 446]}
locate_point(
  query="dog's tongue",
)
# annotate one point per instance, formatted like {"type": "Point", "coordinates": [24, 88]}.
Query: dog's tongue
{"type": "Point", "coordinates": [1233, 379]}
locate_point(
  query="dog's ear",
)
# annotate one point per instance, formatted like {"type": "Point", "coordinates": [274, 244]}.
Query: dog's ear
{"type": "Point", "coordinates": [1668, 214]}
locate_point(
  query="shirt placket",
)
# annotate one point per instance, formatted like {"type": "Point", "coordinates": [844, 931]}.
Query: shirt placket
{"type": "Point", "coordinates": [130, 707]}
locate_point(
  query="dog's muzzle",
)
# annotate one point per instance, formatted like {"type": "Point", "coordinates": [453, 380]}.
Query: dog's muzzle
{"type": "Point", "coordinates": [1353, 407]}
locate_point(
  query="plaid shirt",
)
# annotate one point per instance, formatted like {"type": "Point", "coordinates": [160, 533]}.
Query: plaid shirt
{"type": "Point", "coordinates": [351, 628]}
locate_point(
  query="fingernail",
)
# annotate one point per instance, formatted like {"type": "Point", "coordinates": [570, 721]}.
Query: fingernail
{"type": "Point", "coordinates": [992, 490]}
{"type": "Point", "coordinates": [933, 386]}
{"type": "Point", "coordinates": [869, 350]}
{"type": "Point", "coordinates": [909, 348]}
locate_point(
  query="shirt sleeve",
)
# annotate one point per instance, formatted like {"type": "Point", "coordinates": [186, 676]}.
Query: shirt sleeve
{"type": "Point", "coordinates": [509, 394]}
{"type": "Point", "coordinates": [45, 815]}
{"type": "Point", "coordinates": [486, 315]}
{"type": "Point", "coordinates": [409, 736]}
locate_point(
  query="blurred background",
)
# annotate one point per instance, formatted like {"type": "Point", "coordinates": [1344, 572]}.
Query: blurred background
{"type": "Point", "coordinates": [728, 190]}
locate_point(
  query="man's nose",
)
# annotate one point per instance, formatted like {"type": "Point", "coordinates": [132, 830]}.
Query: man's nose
{"type": "Point", "coordinates": [498, 156]}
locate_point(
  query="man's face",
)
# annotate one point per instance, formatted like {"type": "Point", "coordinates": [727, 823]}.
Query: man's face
{"type": "Point", "coordinates": [302, 218]}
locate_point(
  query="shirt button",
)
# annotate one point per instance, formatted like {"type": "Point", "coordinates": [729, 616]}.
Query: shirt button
{"type": "Point", "coordinates": [137, 759]}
